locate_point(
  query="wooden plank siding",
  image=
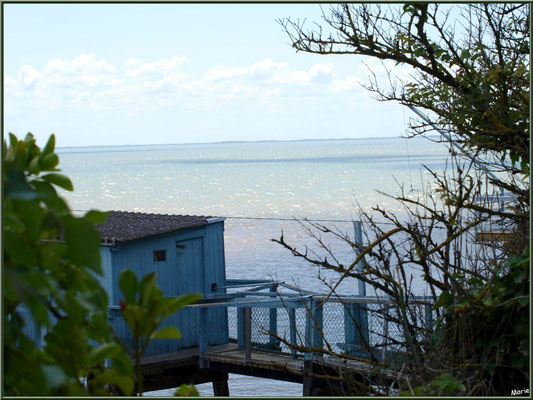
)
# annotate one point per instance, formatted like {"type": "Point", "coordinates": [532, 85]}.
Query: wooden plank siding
{"type": "Point", "coordinates": [106, 278]}
{"type": "Point", "coordinates": [194, 264]}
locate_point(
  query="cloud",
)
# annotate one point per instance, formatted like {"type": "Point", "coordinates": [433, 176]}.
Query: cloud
{"type": "Point", "coordinates": [348, 83]}
{"type": "Point", "coordinates": [163, 67]}
{"type": "Point", "coordinates": [84, 70]}
{"type": "Point", "coordinates": [263, 70]}
{"type": "Point", "coordinates": [223, 72]}
{"type": "Point", "coordinates": [84, 64]}
{"type": "Point", "coordinates": [273, 72]}
{"type": "Point", "coordinates": [268, 80]}
{"type": "Point", "coordinates": [94, 83]}
{"type": "Point", "coordinates": [28, 76]}
{"type": "Point", "coordinates": [319, 74]}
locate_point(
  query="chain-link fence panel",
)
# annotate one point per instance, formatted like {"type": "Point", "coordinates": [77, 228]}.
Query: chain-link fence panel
{"type": "Point", "coordinates": [339, 327]}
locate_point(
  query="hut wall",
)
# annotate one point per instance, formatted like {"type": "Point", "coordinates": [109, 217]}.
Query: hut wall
{"type": "Point", "coordinates": [106, 278]}
{"type": "Point", "coordinates": [193, 263]}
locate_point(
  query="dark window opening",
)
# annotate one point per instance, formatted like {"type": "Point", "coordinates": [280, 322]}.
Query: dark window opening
{"type": "Point", "coordinates": [160, 255]}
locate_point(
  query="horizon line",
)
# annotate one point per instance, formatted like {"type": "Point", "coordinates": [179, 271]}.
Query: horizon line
{"type": "Point", "coordinates": [233, 142]}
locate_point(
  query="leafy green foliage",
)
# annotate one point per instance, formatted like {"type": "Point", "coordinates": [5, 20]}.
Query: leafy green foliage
{"type": "Point", "coordinates": [186, 391]}
{"type": "Point", "coordinates": [473, 80]}
{"type": "Point", "coordinates": [486, 331]}
{"type": "Point", "coordinates": [144, 309]}
{"type": "Point", "coordinates": [489, 327]}
{"type": "Point", "coordinates": [479, 85]}
{"type": "Point", "coordinates": [51, 285]}
{"type": "Point", "coordinates": [469, 69]}
{"type": "Point", "coordinates": [444, 385]}
{"type": "Point", "coordinates": [57, 339]}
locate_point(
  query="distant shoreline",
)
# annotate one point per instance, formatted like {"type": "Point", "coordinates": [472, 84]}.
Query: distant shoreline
{"type": "Point", "coordinates": [235, 142]}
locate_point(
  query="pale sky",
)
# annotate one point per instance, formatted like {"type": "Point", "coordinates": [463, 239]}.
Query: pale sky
{"type": "Point", "coordinates": [114, 74]}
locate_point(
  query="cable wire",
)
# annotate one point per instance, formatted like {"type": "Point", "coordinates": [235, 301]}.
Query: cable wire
{"type": "Point", "coordinates": [294, 219]}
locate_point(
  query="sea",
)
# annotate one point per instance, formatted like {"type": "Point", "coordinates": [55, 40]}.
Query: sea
{"type": "Point", "coordinates": [264, 190]}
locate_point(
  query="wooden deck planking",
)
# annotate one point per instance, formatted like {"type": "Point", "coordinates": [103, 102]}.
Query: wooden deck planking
{"type": "Point", "coordinates": [284, 361]}
{"type": "Point", "coordinates": [259, 359]}
{"type": "Point", "coordinates": [165, 370]}
{"type": "Point", "coordinates": [230, 354]}
{"type": "Point", "coordinates": [150, 364]}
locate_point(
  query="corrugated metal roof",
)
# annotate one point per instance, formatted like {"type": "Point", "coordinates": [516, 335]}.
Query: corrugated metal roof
{"type": "Point", "coordinates": [123, 226]}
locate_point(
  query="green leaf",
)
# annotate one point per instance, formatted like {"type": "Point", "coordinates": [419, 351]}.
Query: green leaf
{"type": "Point", "coordinates": [168, 332]}
{"type": "Point", "coordinates": [444, 300]}
{"type": "Point", "coordinates": [94, 294]}
{"type": "Point", "coordinates": [523, 301]}
{"type": "Point", "coordinates": [49, 195]}
{"type": "Point", "coordinates": [419, 52]}
{"type": "Point", "coordinates": [59, 180]}
{"type": "Point", "coordinates": [28, 286]}
{"type": "Point", "coordinates": [13, 140]}
{"type": "Point", "coordinates": [182, 301]}
{"type": "Point", "coordinates": [16, 187]}
{"type": "Point", "coordinates": [475, 281]}
{"type": "Point", "coordinates": [100, 323]}
{"type": "Point", "coordinates": [519, 276]}
{"type": "Point", "coordinates": [16, 249]}
{"type": "Point", "coordinates": [133, 313]}
{"type": "Point", "coordinates": [29, 140]}
{"type": "Point", "coordinates": [50, 145]}
{"type": "Point", "coordinates": [83, 243]}
{"type": "Point", "coordinates": [147, 287]}
{"type": "Point", "coordinates": [99, 354]}
{"type": "Point", "coordinates": [186, 391]}
{"type": "Point", "coordinates": [40, 272]}
{"type": "Point", "coordinates": [489, 302]}
{"type": "Point", "coordinates": [33, 168]}
{"type": "Point", "coordinates": [112, 377]}
{"type": "Point", "coordinates": [54, 375]}
{"type": "Point", "coordinates": [11, 221]}
{"type": "Point", "coordinates": [48, 161]}
{"type": "Point", "coordinates": [154, 315]}
{"type": "Point", "coordinates": [96, 217]}
{"type": "Point", "coordinates": [128, 285]}
{"type": "Point", "coordinates": [122, 363]}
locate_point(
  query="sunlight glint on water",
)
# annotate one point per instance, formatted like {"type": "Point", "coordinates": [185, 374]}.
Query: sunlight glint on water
{"type": "Point", "coordinates": [314, 179]}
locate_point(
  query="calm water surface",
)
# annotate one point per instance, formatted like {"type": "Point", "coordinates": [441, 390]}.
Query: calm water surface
{"type": "Point", "coordinates": [313, 179]}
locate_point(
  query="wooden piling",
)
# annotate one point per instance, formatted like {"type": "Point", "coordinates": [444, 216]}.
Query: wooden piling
{"type": "Point", "coordinates": [220, 384]}
{"type": "Point", "coordinates": [292, 324]}
{"type": "Point", "coordinates": [247, 333]}
{"type": "Point", "coordinates": [308, 378]}
{"type": "Point", "coordinates": [273, 318]}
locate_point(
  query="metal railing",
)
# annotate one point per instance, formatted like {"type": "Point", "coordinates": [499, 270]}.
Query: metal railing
{"type": "Point", "coordinates": [306, 325]}
{"type": "Point", "coordinates": [263, 317]}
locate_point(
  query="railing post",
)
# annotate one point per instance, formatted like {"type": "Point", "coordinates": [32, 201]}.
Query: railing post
{"type": "Point", "coordinates": [240, 328]}
{"type": "Point", "coordinates": [428, 308]}
{"type": "Point", "coordinates": [203, 336]}
{"type": "Point", "coordinates": [385, 334]}
{"type": "Point", "coordinates": [247, 333]}
{"type": "Point", "coordinates": [318, 322]}
{"type": "Point", "coordinates": [273, 321]}
{"type": "Point", "coordinates": [308, 328]}
{"type": "Point", "coordinates": [358, 239]}
{"type": "Point", "coordinates": [308, 357]}
{"type": "Point", "coordinates": [292, 329]}
{"type": "Point", "coordinates": [355, 327]}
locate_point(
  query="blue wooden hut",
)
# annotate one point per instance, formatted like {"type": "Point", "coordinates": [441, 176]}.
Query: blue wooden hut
{"type": "Point", "coordinates": [187, 252]}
